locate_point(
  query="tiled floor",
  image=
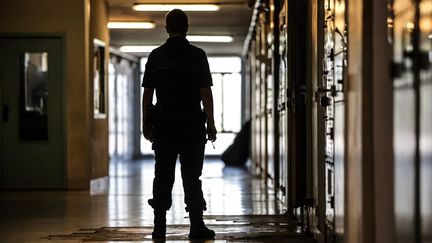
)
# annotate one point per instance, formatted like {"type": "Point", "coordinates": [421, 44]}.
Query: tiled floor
{"type": "Point", "coordinates": [240, 208]}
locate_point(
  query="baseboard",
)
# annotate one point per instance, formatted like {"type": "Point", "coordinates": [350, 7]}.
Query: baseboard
{"type": "Point", "coordinates": [99, 186]}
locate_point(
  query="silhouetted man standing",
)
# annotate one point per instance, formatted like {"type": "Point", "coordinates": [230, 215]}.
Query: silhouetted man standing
{"type": "Point", "coordinates": [179, 72]}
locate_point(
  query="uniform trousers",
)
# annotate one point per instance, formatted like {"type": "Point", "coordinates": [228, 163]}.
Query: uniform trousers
{"type": "Point", "coordinates": [191, 156]}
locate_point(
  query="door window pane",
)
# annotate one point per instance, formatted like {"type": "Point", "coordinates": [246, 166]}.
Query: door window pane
{"type": "Point", "coordinates": [33, 115]}
{"type": "Point", "coordinates": [36, 82]}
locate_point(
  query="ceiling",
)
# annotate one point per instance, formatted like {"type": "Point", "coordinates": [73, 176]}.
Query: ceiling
{"type": "Point", "coordinates": [232, 19]}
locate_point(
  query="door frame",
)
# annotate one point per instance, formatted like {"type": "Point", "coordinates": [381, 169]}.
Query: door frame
{"type": "Point", "coordinates": [62, 38]}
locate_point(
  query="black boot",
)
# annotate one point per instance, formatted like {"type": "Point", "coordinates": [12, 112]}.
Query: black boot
{"type": "Point", "coordinates": [159, 229]}
{"type": "Point", "coordinates": [198, 229]}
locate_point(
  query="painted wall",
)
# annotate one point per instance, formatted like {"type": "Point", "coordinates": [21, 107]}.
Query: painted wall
{"type": "Point", "coordinates": [99, 14]}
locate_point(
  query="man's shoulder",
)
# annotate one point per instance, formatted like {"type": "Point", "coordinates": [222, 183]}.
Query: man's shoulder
{"type": "Point", "coordinates": [196, 50]}
{"type": "Point", "coordinates": [156, 50]}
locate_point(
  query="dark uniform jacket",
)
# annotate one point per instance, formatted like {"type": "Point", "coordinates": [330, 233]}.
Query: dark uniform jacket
{"type": "Point", "coordinates": [178, 70]}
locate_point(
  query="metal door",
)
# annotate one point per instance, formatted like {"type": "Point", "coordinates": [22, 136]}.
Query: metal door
{"type": "Point", "coordinates": [256, 103]}
{"type": "Point", "coordinates": [296, 91]}
{"type": "Point", "coordinates": [254, 115]}
{"type": "Point", "coordinates": [264, 72]}
{"type": "Point", "coordinates": [272, 93]}
{"type": "Point", "coordinates": [331, 96]}
{"type": "Point", "coordinates": [32, 113]}
{"type": "Point", "coordinates": [340, 38]}
{"type": "Point", "coordinates": [283, 103]}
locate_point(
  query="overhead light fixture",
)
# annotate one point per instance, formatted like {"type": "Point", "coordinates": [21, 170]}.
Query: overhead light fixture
{"type": "Point", "coordinates": [169, 7]}
{"type": "Point", "coordinates": [137, 49]}
{"type": "Point", "coordinates": [210, 38]}
{"type": "Point", "coordinates": [130, 25]}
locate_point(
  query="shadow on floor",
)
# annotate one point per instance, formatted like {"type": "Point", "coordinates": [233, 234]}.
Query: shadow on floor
{"type": "Point", "coordinates": [244, 228]}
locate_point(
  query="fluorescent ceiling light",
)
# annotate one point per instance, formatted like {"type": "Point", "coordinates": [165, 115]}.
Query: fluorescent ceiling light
{"type": "Point", "coordinates": [137, 49]}
{"type": "Point", "coordinates": [131, 25]}
{"type": "Point", "coordinates": [210, 38]}
{"type": "Point", "coordinates": [169, 7]}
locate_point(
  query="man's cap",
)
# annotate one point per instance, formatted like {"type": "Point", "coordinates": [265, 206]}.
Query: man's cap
{"type": "Point", "coordinates": [177, 20]}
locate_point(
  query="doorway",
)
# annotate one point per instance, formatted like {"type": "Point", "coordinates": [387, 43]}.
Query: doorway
{"type": "Point", "coordinates": [32, 105]}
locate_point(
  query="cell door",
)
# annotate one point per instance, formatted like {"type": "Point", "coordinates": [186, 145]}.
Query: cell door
{"type": "Point", "coordinates": [332, 90]}
{"type": "Point", "coordinates": [283, 103]}
{"type": "Point", "coordinates": [296, 93]}
{"type": "Point", "coordinates": [32, 113]}
{"type": "Point", "coordinates": [340, 38]}
{"type": "Point", "coordinates": [269, 105]}
{"type": "Point", "coordinates": [264, 68]}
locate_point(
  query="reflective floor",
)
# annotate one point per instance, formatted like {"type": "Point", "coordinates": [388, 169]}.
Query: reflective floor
{"type": "Point", "coordinates": [240, 208]}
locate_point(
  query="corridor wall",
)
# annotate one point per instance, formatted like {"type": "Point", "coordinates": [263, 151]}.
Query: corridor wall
{"type": "Point", "coordinates": [99, 15]}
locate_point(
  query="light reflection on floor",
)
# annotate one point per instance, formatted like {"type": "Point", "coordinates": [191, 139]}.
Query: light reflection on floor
{"type": "Point", "coordinates": [228, 191]}
{"type": "Point", "coordinates": [238, 206]}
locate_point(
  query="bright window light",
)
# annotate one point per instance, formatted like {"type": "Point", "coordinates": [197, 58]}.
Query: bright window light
{"type": "Point", "coordinates": [226, 74]}
{"type": "Point", "coordinates": [131, 25]}
{"type": "Point", "coordinates": [169, 7]}
{"type": "Point", "coordinates": [225, 64]}
{"type": "Point", "coordinates": [209, 38]}
{"type": "Point", "coordinates": [137, 49]}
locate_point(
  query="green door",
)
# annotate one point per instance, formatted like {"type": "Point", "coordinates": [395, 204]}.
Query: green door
{"type": "Point", "coordinates": [32, 125]}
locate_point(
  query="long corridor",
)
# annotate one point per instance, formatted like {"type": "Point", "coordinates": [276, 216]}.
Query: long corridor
{"type": "Point", "coordinates": [240, 208]}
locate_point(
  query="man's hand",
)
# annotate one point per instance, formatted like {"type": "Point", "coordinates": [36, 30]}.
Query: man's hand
{"type": "Point", "coordinates": [207, 100]}
{"type": "Point", "coordinates": [148, 134]}
{"type": "Point", "coordinates": [211, 131]}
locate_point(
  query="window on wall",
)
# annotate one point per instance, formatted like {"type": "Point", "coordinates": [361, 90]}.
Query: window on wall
{"type": "Point", "coordinates": [226, 93]}
{"type": "Point", "coordinates": [226, 74]}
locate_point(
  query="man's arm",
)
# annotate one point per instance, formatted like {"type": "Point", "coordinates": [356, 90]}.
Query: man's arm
{"type": "Point", "coordinates": [146, 103]}
{"type": "Point", "coordinates": [207, 99]}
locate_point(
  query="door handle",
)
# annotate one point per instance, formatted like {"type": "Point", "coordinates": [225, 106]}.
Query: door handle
{"type": "Point", "coordinates": [5, 113]}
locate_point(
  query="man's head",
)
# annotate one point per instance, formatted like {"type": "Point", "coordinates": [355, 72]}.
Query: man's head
{"type": "Point", "coordinates": [176, 23]}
